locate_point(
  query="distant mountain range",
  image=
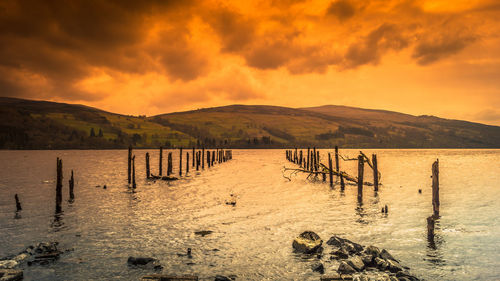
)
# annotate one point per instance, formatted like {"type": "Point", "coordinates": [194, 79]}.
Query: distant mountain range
{"type": "Point", "coordinates": [28, 124]}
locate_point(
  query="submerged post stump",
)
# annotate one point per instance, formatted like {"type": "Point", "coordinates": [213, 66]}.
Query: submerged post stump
{"type": "Point", "coordinates": [430, 228]}
{"type": "Point", "coordinates": [148, 172]}
{"type": "Point", "coordinates": [187, 163]}
{"type": "Point", "coordinates": [59, 186]}
{"type": "Point", "coordinates": [160, 172]}
{"type": "Point", "coordinates": [361, 164]}
{"type": "Point", "coordinates": [330, 172]}
{"type": "Point", "coordinates": [18, 204]}
{"type": "Point", "coordinates": [180, 162]}
{"type": "Point", "coordinates": [197, 160]}
{"type": "Point", "coordinates": [71, 187]}
{"type": "Point", "coordinates": [375, 172]}
{"type": "Point", "coordinates": [342, 184]}
{"type": "Point", "coordinates": [129, 164]}
{"type": "Point", "coordinates": [134, 185]}
{"type": "Point", "coordinates": [435, 188]}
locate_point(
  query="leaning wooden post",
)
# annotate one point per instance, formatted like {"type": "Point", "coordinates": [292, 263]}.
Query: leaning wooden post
{"type": "Point", "coordinates": [148, 172]}
{"type": "Point", "coordinates": [133, 173]}
{"type": "Point", "coordinates": [71, 187]}
{"type": "Point", "coordinates": [361, 164]}
{"type": "Point", "coordinates": [435, 188]}
{"type": "Point", "coordinates": [129, 164]}
{"type": "Point", "coordinates": [193, 156]}
{"type": "Point", "coordinates": [375, 172]}
{"type": "Point", "coordinates": [337, 168]}
{"type": "Point", "coordinates": [18, 204]}
{"type": "Point", "coordinates": [169, 164]}
{"type": "Point", "coordinates": [59, 186]}
{"type": "Point", "coordinates": [160, 173]}
{"type": "Point", "coordinates": [330, 171]}
{"type": "Point", "coordinates": [187, 163]}
{"type": "Point", "coordinates": [430, 229]}
{"type": "Point", "coordinates": [180, 162]}
{"type": "Point", "coordinates": [342, 184]}
{"type": "Point", "coordinates": [318, 161]}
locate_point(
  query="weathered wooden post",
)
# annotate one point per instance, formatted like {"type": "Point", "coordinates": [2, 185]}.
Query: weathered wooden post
{"type": "Point", "coordinates": [330, 171]}
{"type": "Point", "coordinates": [169, 164]}
{"type": "Point", "coordinates": [160, 173]}
{"type": "Point", "coordinates": [197, 160]}
{"type": "Point", "coordinates": [180, 162]}
{"type": "Point", "coordinates": [337, 168]}
{"type": "Point", "coordinates": [375, 172]}
{"type": "Point", "coordinates": [213, 157]}
{"type": "Point", "coordinates": [296, 157]}
{"type": "Point", "coordinates": [342, 184]}
{"type": "Point", "coordinates": [217, 155]}
{"type": "Point", "coordinates": [314, 168]}
{"type": "Point", "coordinates": [208, 158]}
{"type": "Point", "coordinates": [59, 186]}
{"type": "Point", "coordinates": [300, 158]}
{"type": "Point", "coordinates": [134, 185]}
{"type": "Point", "coordinates": [203, 157]}
{"type": "Point", "coordinates": [18, 204]}
{"type": "Point", "coordinates": [187, 163]}
{"type": "Point", "coordinates": [129, 164]}
{"type": "Point", "coordinates": [361, 165]}
{"type": "Point", "coordinates": [318, 161]}
{"type": "Point", "coordinates": [311, 162]}
{"type": "Point", "coordinates": [193, 156]}
{"type": "Point", "coordinates": [430, 229]}
{"type": "Point", "coordinates": [435, 188]}
{"type": "Point", "coordinates": [71, 187]}
{"type": "Point", "coordinates": [148, 172]}
{"type": "Point", "coordinates": [308, 158]}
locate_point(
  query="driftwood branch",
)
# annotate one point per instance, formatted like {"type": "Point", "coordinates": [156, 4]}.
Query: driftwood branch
{"type": "Point", "coordinates": [324, 170]}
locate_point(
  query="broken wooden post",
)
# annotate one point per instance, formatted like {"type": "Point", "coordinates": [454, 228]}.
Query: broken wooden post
{"type": "Point", "coordinates": [430, 228]}
{"type": "Point", "coordinates": [133, 173]}
{"type": "Point", "coordinates": [193, 156]}
{"type": "Point", "coordinates": [180, 162]}
{"type": "Point", "coordinates": [330, 171]}
{"type": "Point", "coordinates": [169, 164]}
{"type": "Point", "coordinates": [148, 172]}
{"type": "Point", "coordinates": [375, 172]}
{"type": "Point", "coordinates": [160, 172]}
{"type": "Point", "coordinates": [129, 164]}
{"type": "Point", "coordinates": [71, 187]}
{"type": "Point", "coordinates": [59, 186]}
{"type": "Point", "coordinates": [435, 188]}
{"type": "Point", "coordinates": [187, 163]}
{"type": "Point", "coordinates": [361, 165]}
{"type": "Point", "coordinates": [337, 168]}
{"type": "Point", "coordinates": [203, 157]}
{"type": "Point", "coordinates": [342, 184]}
{"type": "Point", "coordinates": [18, 204]}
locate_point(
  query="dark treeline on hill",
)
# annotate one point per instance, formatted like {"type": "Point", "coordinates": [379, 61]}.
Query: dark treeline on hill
{"type": "Point", "coordinates": [27, 124]}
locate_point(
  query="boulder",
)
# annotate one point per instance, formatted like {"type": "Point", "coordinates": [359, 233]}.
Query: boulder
{"type": "Point", "coordinates": [372, 251]}
{"type": "Point", "coordinates": [308, 242]}
{"type": "Point", "coordinates": [381, 264]}
{"type": "Point", "coordinates": [356, 262]}
{"type": "Point", "coordinates": [7, 264]}
{"type": "Point", "coordinates": [11, 275]}
{"type": "Point", "coordinates": [386, 256]}
{"type": "Point", "coordinates": [339, 254]}
{"type": "Point", "coordinates": [144, 262]}
{"type": "Point", "coordinates": [332, 277]}
{"type": "Point", "coordinates": [345, 268]}
{"type": "Point", "coordinates": [318, 268]}
{"type": "Point", "coordinates": [394, 266]}
{"type": "Point", "coordinates": [223, 278]}
{"type": "Point", "coordinates": [346, 244]}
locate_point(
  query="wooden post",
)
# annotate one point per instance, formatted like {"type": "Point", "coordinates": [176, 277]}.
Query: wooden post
{"type": "Point", "coordinates": [160, 172]}
{"type": "Point", "coordinates": [296, 157]}
{"type": "Point", "coordinates": [129, 164]}
{"type": "Point", "coordinates": [375, 172]}
{"type": "Point", "coordinates": [318, 161]}
{"type": "Point", "coordinates": [342, 184]}
{"type": "Point", "coordinates": [59, 186]}
{"type": "Point", "coordinates": [203, 157]}
{"type": "Point", "coordinates": [187, 163]}
{"type": "Point", "coordinates": [18, 204]}
{"type": "Point", "coordinates": [311, 162]}
{"type": "Point", "coordinates": [337, 168]}
{"type": "Point", "coordinates": [330, 169]}
{"type": "Point", "coordinates": [180, 162]}
{"type": "Point", "coordinates": [361, 165]}
{"type": "Point", "coordinates": [134, 185]}
{"type": "Point", "coordinates": [308, 158]}
{"type": "Point", "coordinates": [148, 172]}
{"type": "Point", "coordinates": [193, 156]}
{"type": "Point", "coordinates": [197, 160]}
{"type": "Point", "coordinates": [435, 188]}
{"type": "Point", "coordinates": [314, 168]}
{"type": "Point", "coordinates": [71, 187]}
{"type": "Point", "coordinates": [213, 157]}
{"type": "Point", "coordinates": [430, 228]}
{"type": "Point", "coordinates": [217, 155]}
{"type": "Point", "coordinates": [169, 164]}
{"type": "Point", "coordinates": [208, 158]}
{"type": "Point", "coordinates": [300, 158]}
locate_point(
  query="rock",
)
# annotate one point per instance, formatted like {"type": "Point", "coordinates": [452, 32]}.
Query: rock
{"type": "Point", "coordinates": [367, 259]}
{"type": "Point", "coordinates": [11, 275]}
{"type": "Point", "coordinates": [162, 277]}
{"type": "Point", "coordinates": [46, 247]}
{"type": "Point", "coordinates": [144, 262]}
{"type": "Point", "coordinates": [345, 268]}
{"type": "Point", "coordinates": [386, 256]}
{"type": "Point", "coordinates": [381, 264]}
{"type": "Point", "coordinates": [356, 262]}
{"type": "Point", "coordinates": [8, 264]}
{"type": "Point", "coordinates": [346, 276]}
{"type": "Point", "coordinates": [394, 266]}
{"type": "Point", "coordinates": [222, 278]}
{"type": "Point", "coordinates": [319, 268]}
{"type": "Point", "coordinates": [339, 254]}
{"type": "Point", "coordinates": [21, 257]}
{"type": "Point", "coordinates": [332, 277]}
{"type": "Point", "coordinates": [406, 276]}
{"type": "Point", "coordinates": [203, 233]}
{"type": "Point", "coordinates": [342, 243]}
{"type": "Point", "coordinates": [372, 251]}
{"type": "Point", "coordinates": [308, 242]}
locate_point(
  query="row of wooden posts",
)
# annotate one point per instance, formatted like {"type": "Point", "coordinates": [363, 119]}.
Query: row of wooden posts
{"type": "Point", "coordinates": [312, 164]}
{"type": "Point", "coordinates": [212, 157]}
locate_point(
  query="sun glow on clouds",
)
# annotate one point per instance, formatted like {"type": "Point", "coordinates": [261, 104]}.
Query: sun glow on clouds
{"type": "Point", "coordinates": [151, 57]}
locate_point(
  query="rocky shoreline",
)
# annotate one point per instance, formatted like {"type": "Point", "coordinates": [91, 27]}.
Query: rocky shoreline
{"type": "Point", "coordinates": [348, 260]}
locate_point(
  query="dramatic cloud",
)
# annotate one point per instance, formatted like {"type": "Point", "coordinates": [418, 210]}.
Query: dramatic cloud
{"type": "Point", "coordinates": [102, 52]}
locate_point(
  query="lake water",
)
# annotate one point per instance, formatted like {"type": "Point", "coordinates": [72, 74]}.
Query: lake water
{"type": "Point", "coordinates": [253, 238]}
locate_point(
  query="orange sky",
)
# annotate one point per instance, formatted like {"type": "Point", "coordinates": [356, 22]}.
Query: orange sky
{"type": "Point", "coordinates": [149, 57]}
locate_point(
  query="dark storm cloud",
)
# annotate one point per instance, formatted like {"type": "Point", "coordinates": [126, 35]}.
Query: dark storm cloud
{"type": "Point", "coordinates": [341, 9]}
{"type": "Point", "coordinates": [432, 50]}
{"type": "Point", "coordinates": [235, 30]}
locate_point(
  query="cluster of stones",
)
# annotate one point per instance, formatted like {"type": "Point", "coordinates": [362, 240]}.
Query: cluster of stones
{"type": "Point", "coordinates": [356, 262]}
{"type": "Point", "coordinates": [42, 253]}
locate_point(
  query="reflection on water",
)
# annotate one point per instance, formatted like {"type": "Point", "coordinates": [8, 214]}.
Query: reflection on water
{"type": "Point", "coordinates": [252, 238]}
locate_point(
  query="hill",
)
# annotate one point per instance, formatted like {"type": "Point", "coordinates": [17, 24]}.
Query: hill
{"type": "Point", "coordinates": [27, 124]}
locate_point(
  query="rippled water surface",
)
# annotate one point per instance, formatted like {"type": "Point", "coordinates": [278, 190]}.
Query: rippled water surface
{"type": "Point", "coordinates": [253, 238]}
